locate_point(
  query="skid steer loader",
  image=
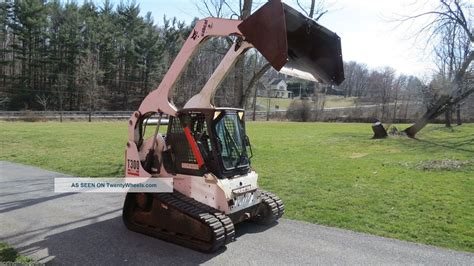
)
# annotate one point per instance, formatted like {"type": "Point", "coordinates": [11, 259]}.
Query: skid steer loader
{"type": "Point", "coordinates": [206, 150]}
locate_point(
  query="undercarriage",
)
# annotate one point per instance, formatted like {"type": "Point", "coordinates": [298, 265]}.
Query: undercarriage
{"type": "Point", "coordinates": [178, 219]}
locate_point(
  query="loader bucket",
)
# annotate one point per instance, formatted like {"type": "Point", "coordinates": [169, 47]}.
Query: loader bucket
{"type": "Point", "coordinates": [295, 44]}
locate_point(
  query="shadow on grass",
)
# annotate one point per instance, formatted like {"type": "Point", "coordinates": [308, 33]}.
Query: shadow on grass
{"type": "Point", "coordinates": [458, 145]}
{"type": "Point", "coordinates": [454, 142]}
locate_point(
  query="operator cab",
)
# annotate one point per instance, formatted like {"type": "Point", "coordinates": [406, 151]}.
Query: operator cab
{"type": "Point", "coordinates": [208, 140]}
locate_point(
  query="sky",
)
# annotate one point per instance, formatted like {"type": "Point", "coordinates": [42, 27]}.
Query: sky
{"type": "Point", "coordinates": [367, 29]}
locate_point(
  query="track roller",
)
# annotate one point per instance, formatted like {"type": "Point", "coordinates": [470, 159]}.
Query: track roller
{"type": "Point", "coordinates": [176, 218]}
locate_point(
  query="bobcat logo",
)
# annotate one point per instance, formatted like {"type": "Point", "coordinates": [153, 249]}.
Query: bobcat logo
{"type": "Point", "coordinates": [195, 34]}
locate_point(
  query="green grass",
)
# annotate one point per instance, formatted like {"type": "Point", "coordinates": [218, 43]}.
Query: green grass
{"type": "Point", "coordinates": [339, 101]}
{"type": "Point", "coordinates": [8, 254]}
{"type": "Point", "coordinates": [281, 102]}
{"type": "Point", "coordinates": [327, 173]}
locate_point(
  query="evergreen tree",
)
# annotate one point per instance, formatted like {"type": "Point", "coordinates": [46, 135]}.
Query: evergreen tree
{"type": "Point", "coordinates": [28, 24]}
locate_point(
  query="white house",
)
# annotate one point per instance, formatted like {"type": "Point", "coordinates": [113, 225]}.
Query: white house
{"type": "Point", "coordinates": [277, 88]}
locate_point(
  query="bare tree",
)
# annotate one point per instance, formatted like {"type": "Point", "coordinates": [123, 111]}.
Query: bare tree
{"type": "Point", "coordinates": [356, 79]}
{"type": "Point", "coordinates": [213, 8]}
{"type": "Point", "coordinates": [316, 9]}
{"type": "Point", "coordinates": [450, 29]}
{"type": "Point", "coordinates": [242, 10]}
{"type": "Point", "coordinates": [59, 91]}
{"type": "Point", "coordinates": [450, 53]}
{"type": "Point", "coordinates": [398, 86]}
{"type": "Point", "coordinates": [89, 74]}
{"type": "Point", "coordinates": [380, 89]}
{"type": "Point", "coordinates": [43, 100]}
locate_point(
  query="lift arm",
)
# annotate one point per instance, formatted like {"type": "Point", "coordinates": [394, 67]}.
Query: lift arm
{"type": "Point", "coordinates": [292, 43]}
{"type": "Point", "coordinates": [205, 28]}
{"type": "Point", "coordinates": [159, 100]}
{"type": "Point", "coordinates": [205, 97]}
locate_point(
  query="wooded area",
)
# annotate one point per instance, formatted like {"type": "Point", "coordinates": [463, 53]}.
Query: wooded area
{"type": "Point", "coordinates": [451, 36]}
{"type": "Point", "coordinates": [58, 55]}
{"type": "Point", "coordinates": [64, 54]}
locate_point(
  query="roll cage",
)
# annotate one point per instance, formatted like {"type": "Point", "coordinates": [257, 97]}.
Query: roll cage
{"type": "Point", "coordinates": [216, 142]}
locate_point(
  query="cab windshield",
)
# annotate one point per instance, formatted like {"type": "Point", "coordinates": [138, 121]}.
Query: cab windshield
{"type": "Point", "coordinates": [230, 135]}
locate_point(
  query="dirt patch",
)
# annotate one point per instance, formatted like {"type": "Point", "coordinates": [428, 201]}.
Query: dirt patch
{"type": "Point", "coordinates": [447, 164]}
{"type": "Point", "coordinates": [355, 155]}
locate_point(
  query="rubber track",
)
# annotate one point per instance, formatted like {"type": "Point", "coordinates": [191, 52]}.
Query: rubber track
{"type": "Point", "coordinates": [275, 203]}
{"type": "Point", "coordinates": [220, 224]}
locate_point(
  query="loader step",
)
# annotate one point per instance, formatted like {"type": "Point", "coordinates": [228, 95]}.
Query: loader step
{"type": "Point", "coordinates": [176, 218]}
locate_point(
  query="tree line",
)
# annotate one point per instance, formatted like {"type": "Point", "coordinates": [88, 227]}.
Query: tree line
{"type": "Point", "coordinates": [65, 56]}
{"type": "Point", "coordinates": [82, 56]}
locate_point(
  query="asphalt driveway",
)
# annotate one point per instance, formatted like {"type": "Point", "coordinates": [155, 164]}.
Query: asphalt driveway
{"type": "Point", "coordinates": [86, 228]}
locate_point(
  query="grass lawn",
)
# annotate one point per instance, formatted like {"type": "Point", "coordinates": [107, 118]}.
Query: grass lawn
{"type": "Point", "coordinates": [8, 254]}
{"type": "Point", "coordinates": [339, 101]}
{"type": "Point", "coordinates": [327, 173]}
